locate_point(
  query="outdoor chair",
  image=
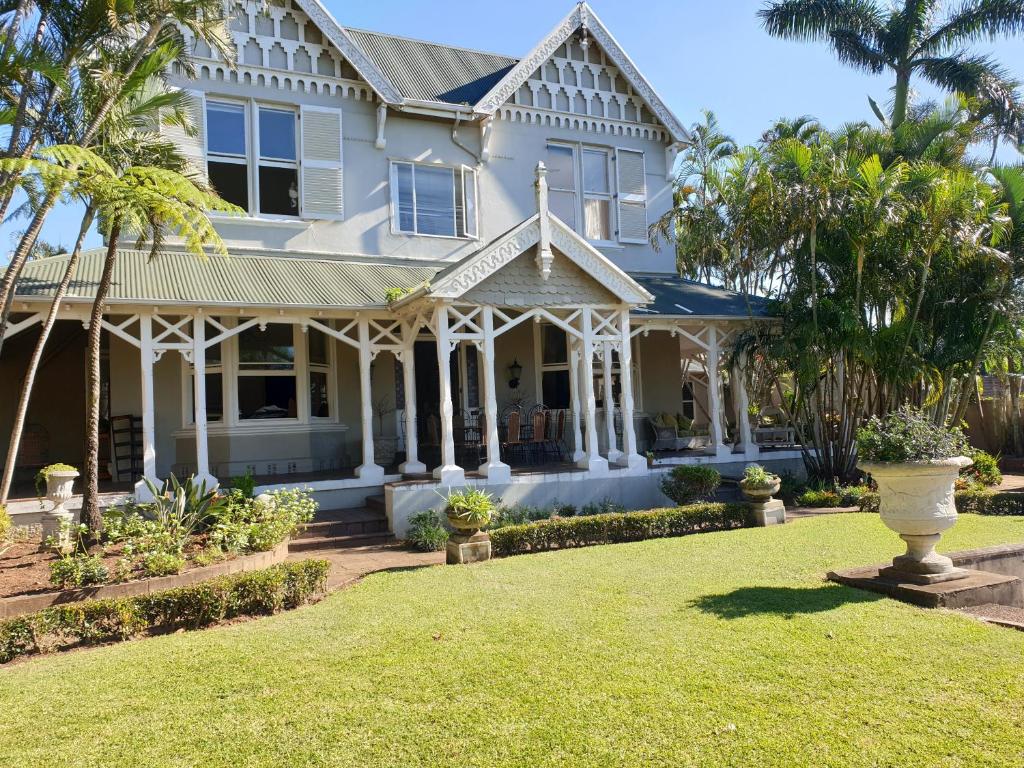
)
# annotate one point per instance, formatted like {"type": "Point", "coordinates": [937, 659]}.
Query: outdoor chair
{"type": "Point", "coordinates": [538, 434]}
{"type": "Point", "coordinates": [513, 440]}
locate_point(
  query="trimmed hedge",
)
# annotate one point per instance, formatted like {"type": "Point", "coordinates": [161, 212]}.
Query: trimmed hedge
{"type": "Point", "coordinates": [90, 622]}
{"type": "Point", "coordinates": [971, 501]}
{"type": "Point", "coordinates": [615, 528]}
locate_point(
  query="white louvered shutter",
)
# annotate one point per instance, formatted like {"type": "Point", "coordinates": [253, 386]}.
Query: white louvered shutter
{"type": "Point", "coordinates": [632, 195]}
{"type": "Point", "coordinates": [192, 148]}
{"type": "Point", "coordinates": [322, 195]}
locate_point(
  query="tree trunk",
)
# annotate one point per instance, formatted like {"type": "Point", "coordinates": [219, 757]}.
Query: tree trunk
{"type": "Point", "coordinates": [901, 94]}
{"type": "Point", "coordinates": [37, 356]}
{"type": "Point", "coordinates": [90, 499]}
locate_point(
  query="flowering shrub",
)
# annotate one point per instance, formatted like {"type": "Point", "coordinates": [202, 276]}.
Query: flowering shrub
{"type": "Point", "coordinates": [907, 435]}
{"type": "Point", "coordinates": [260, 524]}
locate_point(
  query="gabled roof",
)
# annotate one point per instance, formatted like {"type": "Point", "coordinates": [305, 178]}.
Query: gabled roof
{"type": "Point", "coordinates": [458, 279]}
{"type": "Point", "coordinates": [242, 279]}
{"type": "Point", "coordinates": [432, 72]}
{"type": "Point", "coordinates": [582, 16]}
{"type": "Point", "coordinates": [677, 297]}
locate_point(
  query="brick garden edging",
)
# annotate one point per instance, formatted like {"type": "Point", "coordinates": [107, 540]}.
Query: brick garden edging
{"type": "Point", "coordinates": [19, 605]}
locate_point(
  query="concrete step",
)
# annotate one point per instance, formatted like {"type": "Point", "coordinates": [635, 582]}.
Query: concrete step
{"type": "Point", "coordinates": [339, 542]}
{"type": "Point", "coordinates": [376, 504]}
{"type": "Point", "coordinates": [335, 523]}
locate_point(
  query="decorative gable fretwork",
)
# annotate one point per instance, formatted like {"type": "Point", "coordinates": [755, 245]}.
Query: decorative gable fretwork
{"type": "Point", "coordinates": [279, 46]}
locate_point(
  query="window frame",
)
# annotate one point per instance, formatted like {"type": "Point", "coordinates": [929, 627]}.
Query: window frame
{"type": "Point", "coordinates": [459, 180]}
{"type": "Point", "coordinates": [257, 160]}
{"type": "Point", "coordinates": [232, 159]}
{"type": "Point", "coordinates": [580, 193]}
{"type": "Point", "coordinates": [231, 372]}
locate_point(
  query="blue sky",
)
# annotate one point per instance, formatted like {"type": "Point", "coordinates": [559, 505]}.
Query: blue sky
{"type": "Point", "coordinates": [697, 54]}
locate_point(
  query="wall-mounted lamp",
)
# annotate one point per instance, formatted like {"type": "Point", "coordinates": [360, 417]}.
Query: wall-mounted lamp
{"type": "Point", "coordinates": [514, 372]}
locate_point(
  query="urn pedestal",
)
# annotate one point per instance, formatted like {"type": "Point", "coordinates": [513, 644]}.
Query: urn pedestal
{"type": "Point", "coordinates": [471, 548]}
{"type": "Point", "coordinates": [57, 520]}
{"type": "Point", "coordinates": [766, 510]}
{"type": "Point", "coordinates": [916, 500]}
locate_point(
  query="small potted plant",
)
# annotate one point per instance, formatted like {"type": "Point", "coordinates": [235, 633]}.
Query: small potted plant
{"type": "Point", "coordinates": [58, 480]}
{"type": "Point", "coordinates": [915, 464]}
{"type": "Point", "coordinates": [758, 484]}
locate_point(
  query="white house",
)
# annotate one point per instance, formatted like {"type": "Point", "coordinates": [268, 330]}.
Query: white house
{"type": "Point", "coordinates": [436, 238]}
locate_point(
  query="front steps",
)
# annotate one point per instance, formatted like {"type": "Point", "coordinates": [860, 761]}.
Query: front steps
{"type": "Point", "coordinates": [341, 528]}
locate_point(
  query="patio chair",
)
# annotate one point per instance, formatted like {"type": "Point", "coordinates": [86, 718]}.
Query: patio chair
{"type": "Point", "coordinates": [556, 434]}
{"type": "Point", "coordinates": [538, 434]}
{"type": "Point", "coordinates": [513, 438]}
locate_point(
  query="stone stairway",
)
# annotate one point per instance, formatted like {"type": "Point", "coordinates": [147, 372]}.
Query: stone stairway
{"type": "Point", "coordinates": [341, 528]}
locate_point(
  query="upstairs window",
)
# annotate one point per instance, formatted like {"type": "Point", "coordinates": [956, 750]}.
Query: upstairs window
{"type": "Point", "coordinates": [226, 153]}
{"type": "Point", "coordinates": [433, 200]}
{"type": "Point", "coordinates": [278, 168]}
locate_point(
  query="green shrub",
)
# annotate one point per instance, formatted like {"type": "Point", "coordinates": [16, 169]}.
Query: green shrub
{"type": "Point", "coordinates": [426, 532]}
{"type": "Point", "coordinates": [6, 524]}
{"type": "Point", "coordinates": [245, 484]}
{"type": "Point", "coordinates": [908, 434]}
{"type": "Point", "coordinates": [977, 501]}
{"type": "Point", "coordinates": [162, 564]}
{"type": "Point", "coordinates": [267, 591]}
{"type": "Point", "coordinates": [78, 570]}
{"type": "Point", "coordinates": [617, 527]}
{"type": "Point", "coordinates": [984, 470]}
{"type": "Point", "coordinates": [258, 525]}
{"type": "Point", "coordinates": [819, 497]}
{"type": "Point", "coordinates": [869, 502]}
{"type": "Point", "coordinates": [690, 482]}
{"type": "Point", "coordinates": [790, 487]}
{"type": "Point", "coordinates": [603, 507]}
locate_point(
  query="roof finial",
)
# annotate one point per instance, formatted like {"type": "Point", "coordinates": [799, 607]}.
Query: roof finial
{"type": "Point", "coordinates": [544, 255]}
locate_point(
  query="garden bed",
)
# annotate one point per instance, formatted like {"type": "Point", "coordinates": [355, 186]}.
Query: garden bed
{"type": "Point", "coordinates": [41, 595]}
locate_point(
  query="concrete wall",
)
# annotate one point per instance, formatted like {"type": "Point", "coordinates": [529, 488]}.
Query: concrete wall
{"type": "Point", "coordinates": [638, 490]}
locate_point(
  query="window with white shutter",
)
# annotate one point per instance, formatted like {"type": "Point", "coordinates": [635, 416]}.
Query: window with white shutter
{"type": "Point", "coordinates": [322, 181]}
{"type": "Point", "coordinates": [632, 195]}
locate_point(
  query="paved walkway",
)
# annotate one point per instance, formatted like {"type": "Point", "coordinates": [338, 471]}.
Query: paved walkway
{"type": "Point", "coordinates": [349, 564]}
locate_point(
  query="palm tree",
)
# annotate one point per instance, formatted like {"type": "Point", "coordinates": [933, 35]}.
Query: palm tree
{"type": "Point", "coordinates": [907, 39]}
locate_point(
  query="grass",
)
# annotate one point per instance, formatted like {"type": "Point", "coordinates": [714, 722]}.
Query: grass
{"type": "Point", "coordinates": [720, 649]}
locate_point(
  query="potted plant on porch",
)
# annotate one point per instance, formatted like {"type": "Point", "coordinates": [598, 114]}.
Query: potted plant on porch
{"type": "Point", "coordinates": [915, 464]}
{"type": "Point", "coordinates": [468, 511]}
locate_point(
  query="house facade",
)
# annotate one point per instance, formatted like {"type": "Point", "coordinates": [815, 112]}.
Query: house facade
{"type": "Point", "coordinates": [434, 239]}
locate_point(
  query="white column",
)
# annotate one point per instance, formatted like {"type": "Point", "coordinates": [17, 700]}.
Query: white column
{"type": "Point", "coordinates": [142, 493]}
{"type": "Point", "coordinates": [412, 464]}
{"type": "Point", "coordinates": [449, 472]}
{"type": "Point", "coordinates": [199, 391]}
{"type": "Point", "coordinates": [630, 458]}
{"type": "Point", "coordinates": [614, 454]}
{"type": "Point", "coordinates": [574, 400]}
{"type": "Point", "coordinates": [368, 470]}
{"type": "Point", "coordinates": [717, 447]}
{"type": "Point", "coordinates": [742, 401]}
{"type": "Point", "coordinates": [494, 468]}
{"type": "Point", "coordinates": [592, 459]}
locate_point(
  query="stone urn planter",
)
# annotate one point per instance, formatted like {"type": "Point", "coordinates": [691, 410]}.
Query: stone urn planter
{"type": "Point", "coordinates": [468, 512]}
{"type": "Point", "coordinates": [916, 500]}
{"type": "Point", "coordinates": [57, 520]}
{"type": "Point", "coordinates": [758, 487]}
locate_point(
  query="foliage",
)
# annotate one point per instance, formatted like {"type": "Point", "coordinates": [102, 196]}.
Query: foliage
{"type": "Point", "coordinates": [984, 470]}
{"type": "Point", "coordinates": [162, 564]}
{"type": "Point", "coordinates": [757, 477]}
{"type": "Point", "coordinates": [260, 524]}
{"type": "Point", "coordinates": [6, 524]}
{"type": "Point", "coordinates": [77, 570]}
{"type": "Point", "coordinates": [181, 509]}
{"type": "Point", "coordinates": [603, 507]}
{"type": "Point", "coordinates": [471, 506]}
{"type": "Point", "coordinates": [617, 527]}
{"type": "Point", "coordinates": [906, 435]}
{"type": "Point", "coordinates": [819, 498]}
{"type": "Point", "coordinates": [982, 501]}
{"type": "Point", "coordinates": [689, 482]}
{"type": "Point", "coordinates": [426, 532]}
{"type": "Point", "coordinates": [391, 295]}
{"type": "Point", "coordinates": [245, 484]}
{"type": "Point", "coordinates": [43, 475]}
{"type": "Point", "coordinates": [90, 622]}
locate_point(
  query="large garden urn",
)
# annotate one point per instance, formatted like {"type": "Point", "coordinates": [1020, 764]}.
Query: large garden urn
{"type": "Point", "coordinates": [468, 511]}
{"type": "Point", "coordinates": [916, 500]}
{"type": "Point", "coordinates": [57, 520]}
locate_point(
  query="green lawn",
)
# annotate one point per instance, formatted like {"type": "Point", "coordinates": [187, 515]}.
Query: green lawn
{"type": "Point", "coordinates": [719, 650]}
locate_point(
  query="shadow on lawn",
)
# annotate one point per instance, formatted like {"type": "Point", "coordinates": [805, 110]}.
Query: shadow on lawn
{"type": "Point", "coordinates": [780, 601]}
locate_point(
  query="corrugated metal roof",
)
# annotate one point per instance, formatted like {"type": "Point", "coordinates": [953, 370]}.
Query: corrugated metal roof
{"type": "Point", "coordinates": [241, 279]}
{"type": "Point", "coordinates": [433, 72]}
{"type": "Point", "coordinates": [676, 297]}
